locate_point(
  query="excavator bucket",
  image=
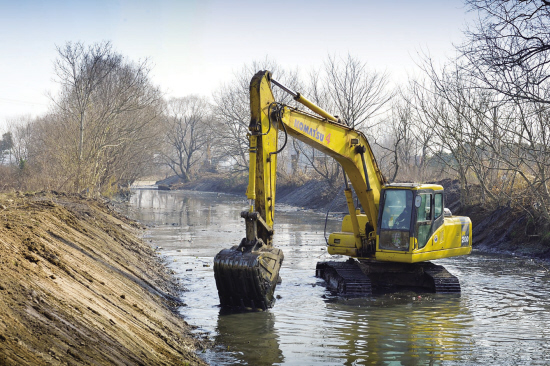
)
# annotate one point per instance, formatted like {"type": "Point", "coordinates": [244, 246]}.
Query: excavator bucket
{"type": "Point", "coordinates": [246, 276]}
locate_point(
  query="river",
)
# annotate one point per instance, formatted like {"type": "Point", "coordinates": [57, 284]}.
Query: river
{"type": "Point", "coordinates": [502, 316]}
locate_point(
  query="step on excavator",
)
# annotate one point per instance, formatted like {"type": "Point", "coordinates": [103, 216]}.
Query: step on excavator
{"type": "Point", "coordinates": [389, 244]}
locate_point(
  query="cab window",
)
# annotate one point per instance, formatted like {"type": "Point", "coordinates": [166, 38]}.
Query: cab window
{"type": "Point", "coordinates": [397, 209]}
{"type": "Point", "coordinates": [424, 212]}
{"type": "Point", "coordinates": [438, 205]}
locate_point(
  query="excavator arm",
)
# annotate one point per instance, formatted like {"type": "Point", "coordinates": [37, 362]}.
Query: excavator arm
{"type": "Point", "coordinates": [326, 134]}
{"type": "Point", "coordinates": [246, 275]}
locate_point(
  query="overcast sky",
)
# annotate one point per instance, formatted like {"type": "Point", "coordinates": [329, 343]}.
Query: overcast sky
{"type": "Point", "coordinates": [195, 46]}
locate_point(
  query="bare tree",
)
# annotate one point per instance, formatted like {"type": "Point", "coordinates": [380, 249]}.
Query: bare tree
{"type": "Point", "coordinates": [80, 71]}
{"type": "Point", "coordinates": [508, 48]}
{"type": "Point", "coordinates": [321, 164]}
{"type": "Point", "coordinates": [21, 133]}
{"type": "Point", "coordinates": [107, 106]}
{"type": "Point", "coordinates": [232, 109]}
{"type": "Point", "coordinates": [351, 91]}
{"type": "Point", "coordinates": [20, 164]}
{"type": "Point", "coordinates": [6, 144]}
{"type": "Point", "coordinates": [441, 109]}
{"type": "Point", "coordinates": [357, 92]}
{"type": "Point", "coordinates": [394, 142]}
{"type": "Point", "coordinates": [188, 134]}
{"type": "Point", "coordinates": [497, 142]}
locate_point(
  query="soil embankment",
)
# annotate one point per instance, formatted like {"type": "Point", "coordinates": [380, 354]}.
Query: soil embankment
{"type": "Point", "coordinates": [78, 287]}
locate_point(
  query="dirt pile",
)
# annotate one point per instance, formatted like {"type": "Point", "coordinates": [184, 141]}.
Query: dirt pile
{"type": "Point", "coordinates": [78, 287]}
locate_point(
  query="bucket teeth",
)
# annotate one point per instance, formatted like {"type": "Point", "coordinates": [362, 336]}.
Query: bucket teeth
{"type": "Point", "coordinates": [247, 279]}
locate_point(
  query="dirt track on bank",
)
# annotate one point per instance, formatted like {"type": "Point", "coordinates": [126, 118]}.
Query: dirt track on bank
{"type": "Point", "coordinates": [78, 288]}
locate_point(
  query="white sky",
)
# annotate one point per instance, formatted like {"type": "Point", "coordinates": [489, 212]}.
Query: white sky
{"type": "Point", "coordinates": [195, 46]}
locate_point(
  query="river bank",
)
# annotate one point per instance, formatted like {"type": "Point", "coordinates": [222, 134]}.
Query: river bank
{"type": "Point", "coordinates": [79, 287]}
{"type": "Point", "coordinates": [500, 230]}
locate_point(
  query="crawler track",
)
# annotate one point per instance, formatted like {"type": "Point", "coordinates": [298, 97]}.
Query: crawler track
{"type": "Point", "coordinates": [344, 278]}
{"type": "Point", "coordinates": [364, 278]}
{"type": "Point", "coordinates": [444, 282]}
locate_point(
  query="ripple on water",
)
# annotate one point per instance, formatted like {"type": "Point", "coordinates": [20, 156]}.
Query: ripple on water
{"type": "Point", "coordinates": [502, 316]}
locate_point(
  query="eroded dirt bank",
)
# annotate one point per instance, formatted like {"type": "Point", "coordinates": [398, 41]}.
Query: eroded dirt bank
{"type": "Point", "coordinates": [77, 287]}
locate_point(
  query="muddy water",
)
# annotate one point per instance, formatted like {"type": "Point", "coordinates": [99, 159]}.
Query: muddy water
{"type": "Point", "coordinates": [501, 317]}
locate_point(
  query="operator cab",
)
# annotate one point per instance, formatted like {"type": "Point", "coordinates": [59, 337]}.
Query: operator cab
{"type": "Point", "coordinates": [411, 225]}
{"type": "Point", "coordinates": [407, 211]}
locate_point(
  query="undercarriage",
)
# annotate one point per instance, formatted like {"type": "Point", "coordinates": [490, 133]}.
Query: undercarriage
{"type": "Point", "coordinates": [364, 278]}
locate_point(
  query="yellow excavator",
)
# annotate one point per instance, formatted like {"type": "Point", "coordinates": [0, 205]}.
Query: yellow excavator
{"type": "Point", "coordinates": [389, 245]}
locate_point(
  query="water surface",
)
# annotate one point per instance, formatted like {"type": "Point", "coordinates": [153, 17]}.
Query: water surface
{"type": "Point", "coordinates": [502, 316]}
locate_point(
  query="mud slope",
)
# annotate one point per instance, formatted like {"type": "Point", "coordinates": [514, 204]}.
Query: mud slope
{"type": "Point", "coordinates": [77, 287]}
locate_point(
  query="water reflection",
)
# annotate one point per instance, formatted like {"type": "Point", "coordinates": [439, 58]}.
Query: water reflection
{"type": "Point", "coordinates": [397, 328]}
{"type": "Point", "coordinates": [501, 317]}
{"type": "Point", "coordinates": [235, 330]}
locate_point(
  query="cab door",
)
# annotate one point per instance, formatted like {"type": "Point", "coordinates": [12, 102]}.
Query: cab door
{"type": "Point", "coordinates": [424, 218]}
{"type": "Point", "coordinates": [429, 216]}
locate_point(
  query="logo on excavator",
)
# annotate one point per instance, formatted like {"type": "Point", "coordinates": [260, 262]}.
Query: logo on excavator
{"type": "Point", "coordinates": [314, 133]}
